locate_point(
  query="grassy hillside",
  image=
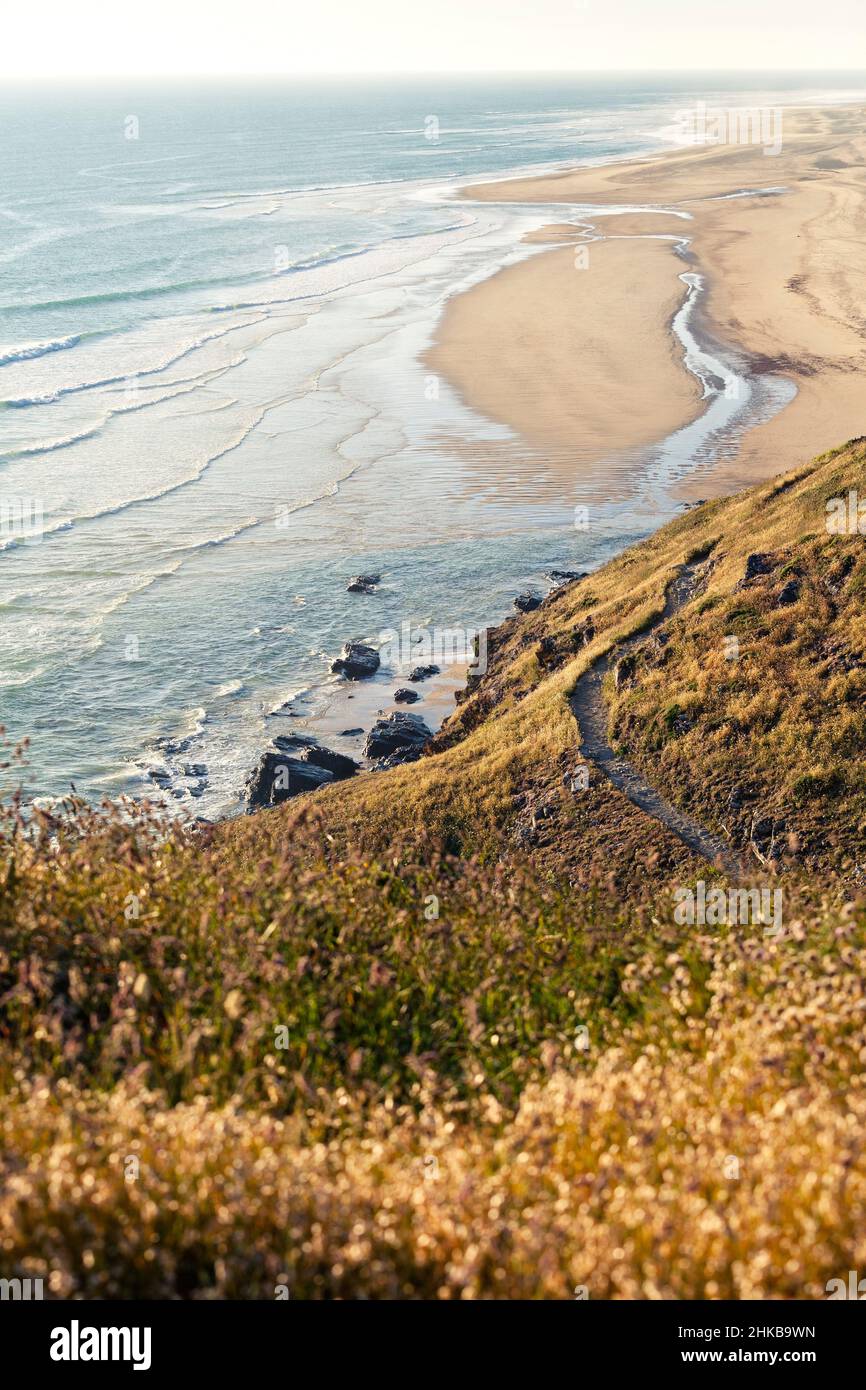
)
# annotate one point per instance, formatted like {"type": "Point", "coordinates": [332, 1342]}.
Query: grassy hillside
{"type": "Point", "coordinates": [781, 726]}
{"type": "Point", "coordinates": [436, 1032]}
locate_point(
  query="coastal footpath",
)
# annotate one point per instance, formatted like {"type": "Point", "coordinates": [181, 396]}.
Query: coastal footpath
{"type": "Point", "coordinates": [484, 1025]}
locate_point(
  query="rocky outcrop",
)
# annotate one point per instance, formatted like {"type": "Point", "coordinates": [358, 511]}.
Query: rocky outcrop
{"type": "Point", "coordinates": [548, 653]}
{"type": "Point", "coordinates": [527, 602]}
{"type": "Point", "coordinates": [566, 576]}
{"type": "Point", "coordinates": [788, 594]}
{"type": "Point", "coordinates": [399, 738]}
{"type": "Point", "coordinates": [338, 764]}
{"type": "Point", "coordinates": [422, 673]}
{"type": "Point", "coordinates": [363, 584]}
{"type": "Point", "coordinates": [279, 777]}
{"type": "Point", "coordinates": [403, 696]}
{"type": "Point", "coordinates": [757, 565]}
{"type": "Point", "coordinates": [623, 671]}
{"type": "Point", "coordinates": [356, 661]}
{"type": "Point", "coordinates": [293, 743]}
{"type": "Point", "coordinates": [310, 751]}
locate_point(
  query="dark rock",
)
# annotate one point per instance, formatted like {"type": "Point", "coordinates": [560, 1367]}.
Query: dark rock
{"type": "Point", "coordinates": [623, 671]}
{"type": "Point", "coordinates": [398, 757]}
{"type": "Point", "coordinates": [757, 565]}
{"type": "Point", "coordinates": [547, 654]}
{"type": "Point", "coordinates": [350, 733]}
{"type": "Point", "coordinates": [172, 746]}
{"type": "Point", "coordinates": [530, 823]}
{"type": "Point", "coordinates": [363, 584]}
{"type": "Point", "coordinates": [294, 742]}
{"type": "Point", "coordinates": [421, 673]}
{"type": "Point", "coordinates": [763, 835]}
{"type": "Point", "coordinates": [566, 576]}
{"type": "Point", "coordinates": [195, 770]}
{"type": "Point", "coordinates": [554, 651]}
{"type": "Point", "coordinates": [527, 602]}
{"type": "Point", "coordinates": [310, 751]}
{"type": "Point", "coordinates": [159, 774]}
{"type": "Point", "coordinates": [583, 634]}
{"type": "Point", "coordinates": [406, 697]}
{"type": "Point", "coordinates": [277, 778]}
{"type": "Point", "coordinates": [737, 795]}
{"type": "Point", "coordinates": [357, 661]}
{"type": "Point", "coordinates": [763, 828]}
{"type": "Point", "coordinates": [789, 594]}
{"type": "Point", "coordinates": [398, 732]}
{"type": "Point", "coordinates": [337, 763]}
{"type": "Point", "coordinates": [836, 657]}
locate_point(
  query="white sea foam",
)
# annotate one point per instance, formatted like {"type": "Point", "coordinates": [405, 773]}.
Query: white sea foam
{"type": "Point", "coordinates": [23, 352]}
{"type": "Point", "coordinates": [168, 443]}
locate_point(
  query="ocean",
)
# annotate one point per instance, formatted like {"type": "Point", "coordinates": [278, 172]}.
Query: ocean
{"type": "Point", "coordinates": [213, 301]}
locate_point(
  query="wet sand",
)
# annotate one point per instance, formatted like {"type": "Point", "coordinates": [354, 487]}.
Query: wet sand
{"type": "Point", "coordinates": [573, 349]}
{"type": "Point", "coordinates": [585, 358]}
{"type": "Point", "coordinates": [334, 713]}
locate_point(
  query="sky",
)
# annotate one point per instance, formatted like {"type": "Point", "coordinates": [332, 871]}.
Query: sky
{"type": "Point", "coordinates": [115, 38]}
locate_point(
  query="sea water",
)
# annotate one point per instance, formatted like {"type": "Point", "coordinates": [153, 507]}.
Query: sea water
{"type": "Point", "coordinates": [214, 301]}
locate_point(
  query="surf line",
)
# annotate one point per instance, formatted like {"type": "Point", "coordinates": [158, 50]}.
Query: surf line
{"type": "Point", "coordinates": [737, 400]}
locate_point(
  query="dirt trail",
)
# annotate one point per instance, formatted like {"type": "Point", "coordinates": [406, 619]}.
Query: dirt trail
{"type": "Point", "coordinates": [590, 711]}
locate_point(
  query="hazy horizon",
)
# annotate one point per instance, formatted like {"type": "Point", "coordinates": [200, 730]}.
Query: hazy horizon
{"type": "Point", "coordinates": [50, 40]}
{"type": "Point", "coordinates": [365, 75]}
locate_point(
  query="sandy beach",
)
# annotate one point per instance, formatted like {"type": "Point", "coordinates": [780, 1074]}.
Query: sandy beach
{"type": "Point", "coordinates": [584, 358]}
{"type": "Point", "coordinates": [342, 713]}
{"type": "Point", "coordinates": [570, 353]}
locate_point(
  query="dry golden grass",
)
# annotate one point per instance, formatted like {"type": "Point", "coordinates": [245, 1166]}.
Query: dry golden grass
{"type": "Point", "coordinates": [541, 1083]}
{"type": "Point", "coordinates": [710, 1148]}
{"type": "Point", "coordinates": [779, 732]}
{"type": "Point", "coordinates": [508, 745]}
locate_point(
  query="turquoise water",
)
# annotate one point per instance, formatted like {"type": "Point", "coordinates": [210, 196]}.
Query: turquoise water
{"type": "Point", "coordinates": [212, 304]}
